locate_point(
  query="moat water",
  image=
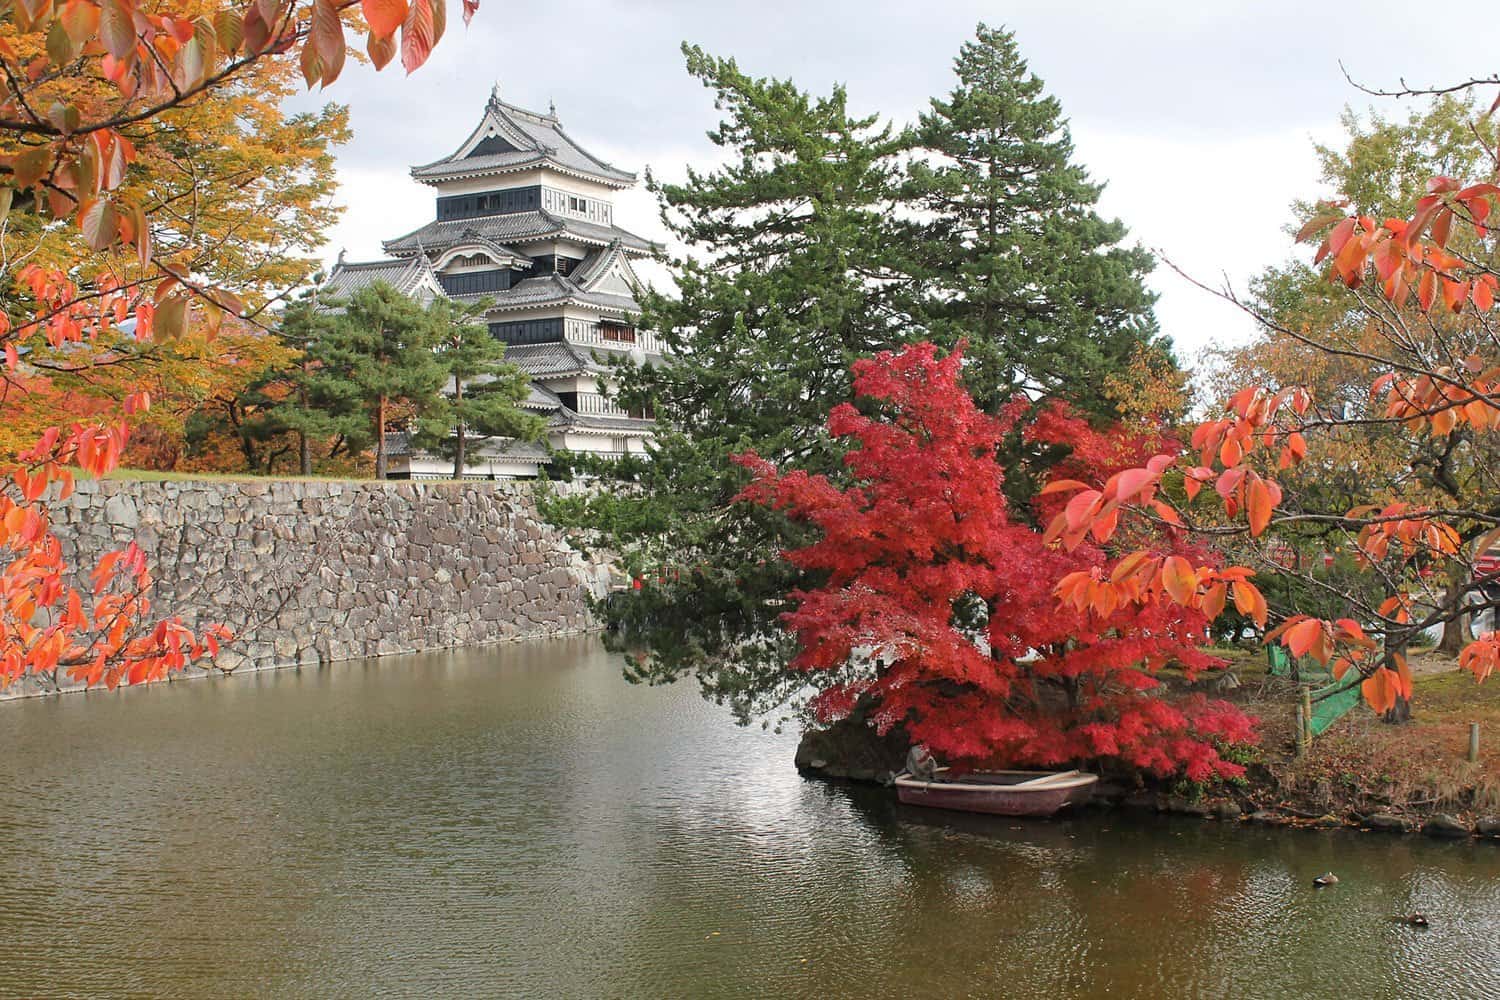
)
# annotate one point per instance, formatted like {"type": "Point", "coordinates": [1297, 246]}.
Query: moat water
{"type": "Point", "coordinates": [518, 821]}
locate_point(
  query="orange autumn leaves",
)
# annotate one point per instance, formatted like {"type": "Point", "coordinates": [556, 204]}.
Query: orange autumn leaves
{"type": "Point", "coordinates": [1223, 447]}
{"type": "Point", "coordinates": [1441, 402]}
{"type": "Point", "coordinates": [1142, 579]}
{"type": "Point", "coordinates": [1410, 256]}
{"type": "Point", "coordinates": [1322, 640]}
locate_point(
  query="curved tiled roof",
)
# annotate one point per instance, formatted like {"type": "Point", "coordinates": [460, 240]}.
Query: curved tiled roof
{"type": "Point", "coordinates": [555, 289]}
{"type": "Point", "coordinates": [410, 276]}
{"type": "Point", "coordinates": [559, 358]}
{"type": "Point", "coordinates": [572, 419]}
{"type": "Point", "coordinates": [533, 140]}
{"type": "Point", "coordinates": [472, 237]}
{"type": "Point", "coordinates": [514, 227]}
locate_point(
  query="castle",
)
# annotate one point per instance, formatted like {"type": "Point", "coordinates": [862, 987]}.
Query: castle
{"type": "Point", "coordinates": [525, 217]}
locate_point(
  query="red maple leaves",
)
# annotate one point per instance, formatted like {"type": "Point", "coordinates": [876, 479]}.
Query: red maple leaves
{"type": "Point", "coordinates": [940, 607]}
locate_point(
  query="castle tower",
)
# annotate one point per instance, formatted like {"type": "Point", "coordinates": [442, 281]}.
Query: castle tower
{"type": "Point", "coordinates": [525, 217]}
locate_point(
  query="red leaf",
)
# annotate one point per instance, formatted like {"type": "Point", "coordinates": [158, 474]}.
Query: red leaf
{"type": "Point", "coordinates": [1427, 290]}
{"type": "Point", "coordinates": [1131, 482]}
{"type": "Point", "coordinates": [417, 38]}
{"type": "Point", "coordinates": [1484, 296]}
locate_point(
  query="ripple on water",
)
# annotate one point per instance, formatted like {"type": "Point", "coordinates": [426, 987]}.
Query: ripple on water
{"type": "Point", "coordinates": [519, 822]}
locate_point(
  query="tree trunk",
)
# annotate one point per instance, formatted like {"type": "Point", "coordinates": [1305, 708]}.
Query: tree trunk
{"type": "Point", "coordinates": [1457, 633]}
{"type": "Point", "coordinates": [304, 447]}
{"type": "Point", "coordinates": [458, 446]}
{"type": "Point", "coordinates": [380, 438]}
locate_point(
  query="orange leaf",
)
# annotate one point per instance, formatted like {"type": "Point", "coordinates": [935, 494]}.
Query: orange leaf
{"type": "Point", "coordinates": [1427, 290]}
{"type": "Point", "coordinates": [1061, 485]}
{"type": "Point", "coordinates": [1258, 505]}
{"type": "Point", "coordinates": [384, 16]}
{"type": "Point", "coordinates": [1378, 691]}
{"type": "Point", "coordinates": [1303, 636]}
{"type": "Point", "coordinates": [1178, 578]}
{"type": "Point", "coordinates": [1166, 513]}
{"type": "Point", "coordinates": [1213, 601]}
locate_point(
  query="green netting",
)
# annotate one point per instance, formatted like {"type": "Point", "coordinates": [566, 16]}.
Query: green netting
{"type": "Point", "coordinates": [1282, 664]}
{"type": "Point", "coordinates": [1332, 703]}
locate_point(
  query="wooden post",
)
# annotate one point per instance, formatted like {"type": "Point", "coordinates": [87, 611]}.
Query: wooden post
{"type": "Point", "coordinates": [1473, 743]}
{"type": "Point", "coordinates": [1301, 731]}
{"type": "Point", "coordinates": [1307, 732]}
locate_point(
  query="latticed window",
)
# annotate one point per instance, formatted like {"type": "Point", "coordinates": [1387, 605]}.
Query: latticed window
{"type": "Point", "coordinates": [618, 332]}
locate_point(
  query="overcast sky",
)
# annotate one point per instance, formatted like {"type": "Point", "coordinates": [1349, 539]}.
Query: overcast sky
{"type": "Point", "coordinates": [1199, 116]}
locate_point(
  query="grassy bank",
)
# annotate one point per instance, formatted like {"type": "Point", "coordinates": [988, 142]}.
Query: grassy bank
{"type": "Point", "coordinates": [1363, 766]}
{"type": "Point", "coordinates": [153, 476]}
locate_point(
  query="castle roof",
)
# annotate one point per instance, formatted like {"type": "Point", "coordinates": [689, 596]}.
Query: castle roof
{"type": "Point", "coordinates": [409, 276]}
{"type": "Point", "coordinates": [559, 359]}
{"type": "Point", "coordinates": [513, 228]}
{"type": "Point", "coordinates": [509, 139]}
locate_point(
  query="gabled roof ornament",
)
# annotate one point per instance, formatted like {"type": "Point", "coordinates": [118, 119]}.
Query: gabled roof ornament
{"type": "Point", "coordinates": [495, 94]}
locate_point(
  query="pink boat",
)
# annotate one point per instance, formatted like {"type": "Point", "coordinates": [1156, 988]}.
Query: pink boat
{"type": "Point", "coordinates": [1002, 793]}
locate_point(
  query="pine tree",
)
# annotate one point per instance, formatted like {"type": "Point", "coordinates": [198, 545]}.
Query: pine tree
{"type": "Point", "coordinates": [784, 289]}
{"type": "Point", "coordinates": [377, 356]}
{"type": "Point", "coordinates": [312, 403]}
{"type": "Point", "coordinates": [1005, 247]}
{"type": "Point", "coordinates": [481, 399]}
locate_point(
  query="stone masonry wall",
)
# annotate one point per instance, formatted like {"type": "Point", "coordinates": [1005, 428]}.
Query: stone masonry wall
{"type": "Point", "coordinates": [313, 572]}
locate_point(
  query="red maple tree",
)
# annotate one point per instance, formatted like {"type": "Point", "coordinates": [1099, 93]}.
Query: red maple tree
{"type": "Point", "coordinates": [941, 610]}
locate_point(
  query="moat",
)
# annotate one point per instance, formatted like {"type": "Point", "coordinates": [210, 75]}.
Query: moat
{"type": "Point", "coordinates": [518, 821]}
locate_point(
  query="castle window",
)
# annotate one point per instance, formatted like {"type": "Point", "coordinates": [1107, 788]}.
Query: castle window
{"type": "Point", "coordinates": [475, 282]}
{"type": "Point", "coordinates": [617, 332]}
{"type": "Point", "coordinates": [531, 331]}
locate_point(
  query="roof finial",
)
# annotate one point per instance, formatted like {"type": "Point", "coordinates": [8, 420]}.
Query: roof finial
{"type": "Point", "coordinates": [551, 108]}
{"type": "Point", "coordinates": [340, 261]}
{"type": "Point", "coordinates": [495, 93]}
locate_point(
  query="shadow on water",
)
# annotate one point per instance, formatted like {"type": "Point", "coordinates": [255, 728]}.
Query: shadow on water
{"type": "Point", "coordinates": [1119, 903]}
{"type": "Point", "coordinates": [518, 821]}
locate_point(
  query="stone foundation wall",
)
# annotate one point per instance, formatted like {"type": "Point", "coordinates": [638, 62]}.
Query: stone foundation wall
{"type": "Point", "coordinates": [313, 572]}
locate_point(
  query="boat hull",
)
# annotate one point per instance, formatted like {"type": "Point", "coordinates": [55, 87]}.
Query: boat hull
{"type": "Point", "coordinates": [1041, 795]}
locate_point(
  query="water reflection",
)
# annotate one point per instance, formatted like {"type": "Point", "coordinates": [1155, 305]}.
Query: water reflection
{"type": "Point", "coordinates": [519, 822]}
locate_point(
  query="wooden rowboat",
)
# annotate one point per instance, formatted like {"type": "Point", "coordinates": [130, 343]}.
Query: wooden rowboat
{"type": "Point", "coordinates": [1002, 793]}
